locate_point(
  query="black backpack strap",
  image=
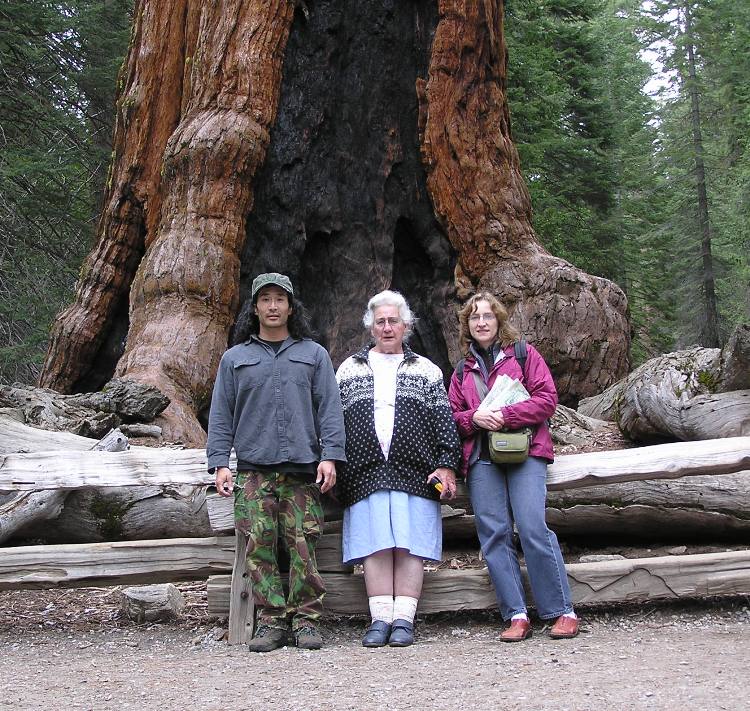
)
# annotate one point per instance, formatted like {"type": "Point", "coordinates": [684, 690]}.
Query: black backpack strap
{"type": "Point", "coordinates": [519, 350]}
{"type": "Point", "coordinates": [460, 370]}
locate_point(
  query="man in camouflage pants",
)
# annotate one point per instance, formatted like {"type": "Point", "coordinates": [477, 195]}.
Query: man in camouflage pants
{"type": "Point", "coordinates": [276, 402]}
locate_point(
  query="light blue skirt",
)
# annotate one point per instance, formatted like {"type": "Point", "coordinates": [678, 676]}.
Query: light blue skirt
{"type": "Point", "coordinates": [392, 519]}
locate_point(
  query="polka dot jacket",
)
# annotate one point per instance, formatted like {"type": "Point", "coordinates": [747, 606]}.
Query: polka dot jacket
{"type": "Point", "coordinates": [424, 433]}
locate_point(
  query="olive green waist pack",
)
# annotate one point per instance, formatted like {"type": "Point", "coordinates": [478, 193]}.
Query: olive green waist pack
{"type": "Point", "coordinates": [510, 447]}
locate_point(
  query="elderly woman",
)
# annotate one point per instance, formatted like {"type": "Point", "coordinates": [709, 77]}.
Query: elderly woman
{"type": "Point", "coordinates": [400, 441]}
{"type": "Point", "coordinates": [502, 494]}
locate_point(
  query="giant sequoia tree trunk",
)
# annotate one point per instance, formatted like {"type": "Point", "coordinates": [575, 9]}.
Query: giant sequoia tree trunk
{"type": "Point", "coordinates": [389, 164]}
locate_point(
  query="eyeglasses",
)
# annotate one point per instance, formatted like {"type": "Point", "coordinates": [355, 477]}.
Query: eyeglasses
{"type": "Point", "coordinates": [487, 318]}
{"type": "Point", "coordinates": [392, 321]}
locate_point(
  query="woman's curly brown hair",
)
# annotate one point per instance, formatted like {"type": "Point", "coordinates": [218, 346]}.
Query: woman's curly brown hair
{"type": "Point", "coordinates": [506, 333]}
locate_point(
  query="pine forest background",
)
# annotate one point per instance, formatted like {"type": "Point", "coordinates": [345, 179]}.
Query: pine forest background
{"type": "Point", "coordinates": [632, 120]}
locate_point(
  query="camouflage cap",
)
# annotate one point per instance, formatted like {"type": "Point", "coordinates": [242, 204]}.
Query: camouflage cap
{"type": "Point", "coordinates": [271, 279]}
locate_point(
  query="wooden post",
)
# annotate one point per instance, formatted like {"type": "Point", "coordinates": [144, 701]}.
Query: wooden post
{"type": "Point", "coordinates": [241, 605]}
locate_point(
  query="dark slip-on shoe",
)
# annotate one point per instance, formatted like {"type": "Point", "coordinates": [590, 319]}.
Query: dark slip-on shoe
{"type": "Point", "coordinates": [377, 634]}
{"type": "Point", "coordinates": [402, 634]}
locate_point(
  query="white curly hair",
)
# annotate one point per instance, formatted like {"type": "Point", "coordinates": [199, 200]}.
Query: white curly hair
{"type": "Point", "coordinates": [389, 298]}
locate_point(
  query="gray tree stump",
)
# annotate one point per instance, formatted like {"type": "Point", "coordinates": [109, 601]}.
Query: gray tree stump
{"type": "Point", "coordinates": [151, 603]}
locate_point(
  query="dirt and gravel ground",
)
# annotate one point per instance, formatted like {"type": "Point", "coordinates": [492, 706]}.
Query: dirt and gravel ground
{"type": "Point", "coordinates": [71, 649]}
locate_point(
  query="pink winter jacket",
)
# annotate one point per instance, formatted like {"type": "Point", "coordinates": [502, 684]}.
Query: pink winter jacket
{"type": "Point", "coordinates": [464, 401]}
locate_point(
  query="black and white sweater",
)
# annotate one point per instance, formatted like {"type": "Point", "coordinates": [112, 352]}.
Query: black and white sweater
{"type": "Point", "coordinates": [424, 434]}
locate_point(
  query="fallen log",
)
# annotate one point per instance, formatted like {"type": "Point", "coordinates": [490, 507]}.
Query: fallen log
{"type": "Point", "coordinates": [125, 514]}
{"type": "Point", "coordinates": [28, 508]}
{"type": "Point", "coordinates": [21, 512]}
{"type": "Point", "coordinates": [95, 514]}
{"type": "Point", "coordinates": [663, 461]}
{"type": "Point", "coordinates": [637, 580]}
{"type": "Point", "coordinates": [18, 437]}
{"type": "Point", "coordinates": [700, 507]}
{"type": "Point", "coordinates": [119, 563]}
{"type": "Point", "coordinates": [151, 603]}
{"type": "Point", "coordinates": [133, 562]}
{"type": "Point", "coordinates": [147, 466]}
{"type": "Point", "coordinates": [645, 523]}
{"type": "Point", "coordinates": [694, 394]}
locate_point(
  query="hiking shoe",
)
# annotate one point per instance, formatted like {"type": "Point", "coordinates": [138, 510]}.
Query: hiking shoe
{"type": "Point", "coordinates": [266, 639]}
{"type": "Point", "coordinates": [308, 637]}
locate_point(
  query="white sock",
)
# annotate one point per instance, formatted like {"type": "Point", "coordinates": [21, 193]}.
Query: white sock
{"type": "Point", "coordinates": [404, 608]}
{"type": "Point", "coordinates": [520, 616]}
{"type": "Point", "coordinates": [381, 608]}
{"type": "Point", "coordinates": [571, 614]}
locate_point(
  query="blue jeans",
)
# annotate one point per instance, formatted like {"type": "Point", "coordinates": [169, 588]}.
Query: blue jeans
{"type": "Point", "coordinates": [504, 493]}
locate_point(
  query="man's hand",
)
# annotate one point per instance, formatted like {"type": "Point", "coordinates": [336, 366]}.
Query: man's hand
{"type": "Point", "coordinates": [491, 420]}
{"type": "Point", "coordinates": [447, 479]}
{"type": "Point", "coordinates": [326, 475]}
{"type": "Point", "coordinates": [224, 484]}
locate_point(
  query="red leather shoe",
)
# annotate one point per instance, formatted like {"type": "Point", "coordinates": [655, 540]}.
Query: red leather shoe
{"type": "Point", "coordinates": [518, 631]}
{"type": "Point", "coordinates": [564, 628]}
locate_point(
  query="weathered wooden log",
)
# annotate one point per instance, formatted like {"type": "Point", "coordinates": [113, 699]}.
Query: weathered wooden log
{"type": "Point", "coordinates": [664, 461]}
{"type": "Point", "coordinates": [85, 414]}
{"type": "Point", "coordinates": [729, 493]}
{"type": "Point", "coordinates": [16, 436]}
{"type": "Point", "coordinates": [124, 562]}
{"type": "Point", "coordinates": [697, 508]}
{"type": "Point", "coordinates": [134, 562]}
{"type": "Point", "coordinates": [113, 441]}
{"type": "Point", "coordinates": [699, 393]}
{"type": "Point", "coordinates": [139, 430]}
{"type": "Point", "coordinates": [126, 514]}
{"type": "Point", "coordinates": [630, 580]}
{"type": "Point", "coordinates": [23, 510]}
{"type": "Point", "coordinates": [20, 513]}
{"type": "Point", "coordinates": [636, 522]}
{"type": "Point", "coordinates": [145, 465]}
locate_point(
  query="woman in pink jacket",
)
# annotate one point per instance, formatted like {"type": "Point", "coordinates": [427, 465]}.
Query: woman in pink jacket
{"type": "Point", "coordinates": [504, 494]}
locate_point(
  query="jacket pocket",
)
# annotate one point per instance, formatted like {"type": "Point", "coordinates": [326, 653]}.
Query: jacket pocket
{"type": "Point", "coordinates": [248, 372]}
{"type": "Point", "coordinates": [302, 369]}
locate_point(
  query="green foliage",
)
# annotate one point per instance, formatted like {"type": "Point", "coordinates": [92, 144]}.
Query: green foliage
{"type": "Point", "coordinates": [562, 128]}
{"type": "Point", "coordinates": [611, 170]}
{"type": "Point", "coordinates": [57, 70]}
{"type": "Point", "coordinates": [719, 36]}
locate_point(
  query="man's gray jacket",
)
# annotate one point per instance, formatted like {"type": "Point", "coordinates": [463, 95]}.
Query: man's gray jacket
{"type": "Point", "coordinates": [275, 407]}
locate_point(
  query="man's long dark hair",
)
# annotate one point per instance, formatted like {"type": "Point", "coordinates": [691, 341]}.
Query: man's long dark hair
{"type": "Point", "coordinates": [248, 324]}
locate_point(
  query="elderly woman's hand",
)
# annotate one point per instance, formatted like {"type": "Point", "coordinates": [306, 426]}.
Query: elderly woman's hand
{"type": "Point", "coordinates": [491, 420]}
{"type": "Point", "coordinates": [447, 479]}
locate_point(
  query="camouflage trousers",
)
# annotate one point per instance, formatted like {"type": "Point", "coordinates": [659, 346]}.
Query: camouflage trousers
{"type": "Point", "coordinates": [270, 507]}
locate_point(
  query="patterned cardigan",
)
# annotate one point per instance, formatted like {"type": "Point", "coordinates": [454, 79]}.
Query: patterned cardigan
{"type": "Point", "coordinates": [424, 434]}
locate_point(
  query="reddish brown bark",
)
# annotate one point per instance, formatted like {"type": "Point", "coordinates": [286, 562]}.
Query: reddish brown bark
{"type": "Point", "coordinates": [145, 120]}
{"type": "Point", "coordinates": [342, 204]}
{"type": "Point", "coordinates": [475, 182]}
{"type": "Point", "coordinates": [185, 293]}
